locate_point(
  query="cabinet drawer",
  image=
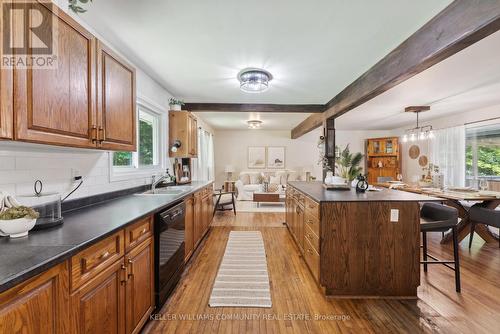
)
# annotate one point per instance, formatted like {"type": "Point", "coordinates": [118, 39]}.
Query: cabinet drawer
{"type": "Point", "coordinates": [312, 207]}
{"type": "Point", "coordinates": [138, 232]}
{"type": "Point", "coordinates": [312, 238]}
{"type": "Point", "coordinates": [312, 222]}
{"type": "Point", "coordinates": [312, 259]}
{"type": "Point", "coordinates": [91, 261]}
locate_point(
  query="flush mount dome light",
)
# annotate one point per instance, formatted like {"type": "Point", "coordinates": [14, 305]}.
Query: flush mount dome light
{"type": "Point", "coordinates": [254, 80]}
{"type": "Point", "coordinates": [254, 124]}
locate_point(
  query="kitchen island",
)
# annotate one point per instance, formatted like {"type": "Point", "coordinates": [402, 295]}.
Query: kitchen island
{"type": "Point", "coordinates": [358, 245]}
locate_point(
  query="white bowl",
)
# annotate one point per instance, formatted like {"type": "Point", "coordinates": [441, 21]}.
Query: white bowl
{"type": "Point", "coordinates": [16, 228]}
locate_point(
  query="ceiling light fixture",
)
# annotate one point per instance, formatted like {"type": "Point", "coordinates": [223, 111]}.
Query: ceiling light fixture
{"type": "Point", "coordinates": [418, 132]}
{"type": "Point", "coordinates": [254, 124]}
{"type": "Point", "coordinates": [254, 80]}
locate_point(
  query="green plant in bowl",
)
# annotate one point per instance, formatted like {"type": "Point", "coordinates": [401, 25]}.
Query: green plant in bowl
{"type": "Point", "coordinates": [19, 212]}
{"type": "Point", "coordinates": [17, 221]}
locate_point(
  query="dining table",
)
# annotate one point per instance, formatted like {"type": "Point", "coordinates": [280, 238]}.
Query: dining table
{"type": "Point", "coordinates": [461, 199]}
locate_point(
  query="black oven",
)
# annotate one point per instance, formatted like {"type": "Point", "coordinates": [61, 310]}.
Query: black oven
{"type": "Point", "coordinates": [169, 251]}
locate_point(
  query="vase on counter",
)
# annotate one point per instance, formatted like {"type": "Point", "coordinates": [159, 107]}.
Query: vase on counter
{"type": "Point", "coordinates": [329, 178]}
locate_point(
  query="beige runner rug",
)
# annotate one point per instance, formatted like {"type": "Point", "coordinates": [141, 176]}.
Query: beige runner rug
{"type": "Point", "coordinates": [242, 279]}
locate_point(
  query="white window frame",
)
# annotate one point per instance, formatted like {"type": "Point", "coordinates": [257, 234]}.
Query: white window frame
{"type": "Point", "coordinates": [122, 173]}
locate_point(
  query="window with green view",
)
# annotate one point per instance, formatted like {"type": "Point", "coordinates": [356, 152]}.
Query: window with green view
{"type": "Point", "coordinates": [482, 155]}
{"type": "Point", "coordinates": [148, 141]}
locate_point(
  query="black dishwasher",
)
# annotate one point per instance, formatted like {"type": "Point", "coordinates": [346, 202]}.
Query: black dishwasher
{"type": "Point", "coordinates": [169, 251]}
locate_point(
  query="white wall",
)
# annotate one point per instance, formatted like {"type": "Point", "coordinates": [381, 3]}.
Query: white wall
{"type": "Point", "coordinates": [231, 148]}
{"type": "Point", "coordinates": [21, 164]}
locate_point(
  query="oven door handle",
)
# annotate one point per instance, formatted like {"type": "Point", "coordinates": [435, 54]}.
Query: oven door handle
{"type": "Point", "coordinates": [174, 215]}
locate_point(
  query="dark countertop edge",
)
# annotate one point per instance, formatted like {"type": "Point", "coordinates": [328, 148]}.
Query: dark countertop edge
{"type": "Point", "coordinates": [319, 200]}
{"type": "Point", "coordinates": [64, 255]}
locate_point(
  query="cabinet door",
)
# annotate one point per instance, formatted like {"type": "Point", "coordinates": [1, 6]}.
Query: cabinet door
{"type": "Point", "coordinates": [198, 219]}
{"type": "Point", "coordinates": [39, 305]}
{"type": "Point", "coordinates": [205, 211]}
{"type": "Point", "coordinates": [300, 227]}
{"type": "Point", "coordinates": [99, 305]}
{"type": "Point", "coordinates": [116, 107]}
{"type": "Point", "coordinates": [57, 106]}
{"type": "Point", "coordinates": [179, 130]}
{"type": "Point", "coordinates": [6, 93]}
{"type": "Point", "coordinates": [189, 227]}
{"type": "Point", "coordinates": [193, 136]}
{"type": "Point", "coordinates": [139, 294]}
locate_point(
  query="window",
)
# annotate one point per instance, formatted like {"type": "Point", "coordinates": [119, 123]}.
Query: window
{"type": "Point", "coordinates": [148, 139]}
{"type": "Point", "coordinates": [482, 154]}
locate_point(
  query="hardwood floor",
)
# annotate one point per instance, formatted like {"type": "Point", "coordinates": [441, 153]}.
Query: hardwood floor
{"type": "Point", "coordinates": [297, 300]}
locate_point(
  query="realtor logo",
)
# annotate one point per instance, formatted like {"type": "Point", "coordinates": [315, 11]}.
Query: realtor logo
{"type": "Point", "coordinates": [29, 35]}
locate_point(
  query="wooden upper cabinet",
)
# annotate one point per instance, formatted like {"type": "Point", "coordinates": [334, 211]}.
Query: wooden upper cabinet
{"type": "Point", "coordinates": [56, 106]}
{"type": "Point", "coordinates": [183, 126]}
{"type": "Point", "coordinates": [39, 305]}
{"type": "Point", "coordinates": [116, 106]}
{"type": "Point", "coordinates": [193, 135]}
{"type": "Point", "coordinates": [6, 91]}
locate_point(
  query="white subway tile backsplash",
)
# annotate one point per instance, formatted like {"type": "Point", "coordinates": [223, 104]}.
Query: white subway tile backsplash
{"type": "Point", "coordinates": [20, 166]}
{"type": "Point", "coordinates": [7, 162]}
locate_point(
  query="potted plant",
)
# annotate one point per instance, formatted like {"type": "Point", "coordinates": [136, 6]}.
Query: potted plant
{"type": "Point", "coordinates": [347, 164]}
{"type": "Point", "coordinates": [17, 221]}
{"type": "Point", "coordinates": [175, 104]}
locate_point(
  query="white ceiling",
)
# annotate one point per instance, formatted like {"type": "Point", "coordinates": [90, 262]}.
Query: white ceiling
{"type": "Point", "coordinates": [467, 81]}
{"type": "Point", "coordinates": [314, 49]}
{"type": "Point", "coordinates": [238, 120]}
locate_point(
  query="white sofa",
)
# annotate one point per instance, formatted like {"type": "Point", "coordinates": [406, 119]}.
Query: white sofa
{"type": "Point", "coordinates": [249, 182]}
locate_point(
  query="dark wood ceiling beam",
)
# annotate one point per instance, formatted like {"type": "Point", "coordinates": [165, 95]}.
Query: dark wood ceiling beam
{"type": "Point", "coordinates": [461, 24]}
{"type": "Point", "coordinates": [258, 107]}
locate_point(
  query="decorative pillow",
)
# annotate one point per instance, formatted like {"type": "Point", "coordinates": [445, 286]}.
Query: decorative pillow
{"type": "Point", "coordinates": [245, 179]}
{"type": "Point", "coordinates": [255, 178]}
{"type": "Point", "coordinates": [283, 177]}
{"type": "Point", "coordinates": [275, 180]}
{"type": "Point", "coordinates": [273, 187]}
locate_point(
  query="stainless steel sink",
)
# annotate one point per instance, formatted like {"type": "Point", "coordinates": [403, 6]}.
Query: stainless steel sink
{"type": "Point", "coordinates": [175, 190]}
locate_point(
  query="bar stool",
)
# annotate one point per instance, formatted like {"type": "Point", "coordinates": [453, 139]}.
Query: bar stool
{"type": "Point", "coordinates": [481, 215]}
{"type": "Point", "coordinates": [440, 218]}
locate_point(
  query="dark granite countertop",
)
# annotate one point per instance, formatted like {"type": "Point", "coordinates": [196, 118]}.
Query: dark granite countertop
{"type": "Point", "coordinates": [316, 191]}
{"type": "Point", "coordinates": [25, 257]}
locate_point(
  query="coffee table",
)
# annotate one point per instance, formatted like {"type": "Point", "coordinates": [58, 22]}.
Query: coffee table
{"type": "Point", "coordinates": [265, 197]}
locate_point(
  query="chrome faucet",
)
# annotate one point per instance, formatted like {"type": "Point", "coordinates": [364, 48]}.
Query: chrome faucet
{"type": "Point", "coordinates": [155, 182]}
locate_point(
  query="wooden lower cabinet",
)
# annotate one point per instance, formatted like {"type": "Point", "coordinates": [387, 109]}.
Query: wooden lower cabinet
{"type": "Point", "coordinates": [39, 305]}
{"type": "Point", "coordinates": [189, 227]}
{"type": "Point", "coordinates": [197, 219]}
{"type": "Point", "coordinates": [99, 305]}
{"type": "Point", "coordinates": [118, 297]}
{"type": "Point", "coordinates": [203, 208]}
{"type": "Point", "coordinates": [302, 225]}
{"type": "Point", "coordinates": [139, 299]}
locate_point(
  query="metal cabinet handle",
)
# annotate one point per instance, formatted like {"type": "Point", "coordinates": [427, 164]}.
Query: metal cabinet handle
{"type": "Point", "coordinates": [93, 134]}
{"type": "Point", "coordinates": [143, 230]}
{"type": "Point", "coordinates": [104, 255]}
{"type": "Point", "coordinates": [124, 270]}
{"type": "Point", "coordinates": [131, 273]}
{"type": "Point", "coordinates": [102, 134]}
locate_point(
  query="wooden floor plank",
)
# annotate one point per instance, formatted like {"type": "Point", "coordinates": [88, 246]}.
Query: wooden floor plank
{"type": "Point", "coordinates": [295, 294]}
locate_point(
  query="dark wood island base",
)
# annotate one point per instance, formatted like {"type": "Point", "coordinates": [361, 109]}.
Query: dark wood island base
{"type": "Point", "coordinates": [358, 245]}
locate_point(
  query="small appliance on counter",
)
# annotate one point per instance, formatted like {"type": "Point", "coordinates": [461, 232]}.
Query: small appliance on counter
{"type": "Point", "coordinates": [48, 205]}
{"type": "Point", "coordinates": [182, 170]}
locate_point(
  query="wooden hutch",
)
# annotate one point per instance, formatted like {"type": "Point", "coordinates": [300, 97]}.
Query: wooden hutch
{"type": "Point", "coordinates": [383, 158]}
